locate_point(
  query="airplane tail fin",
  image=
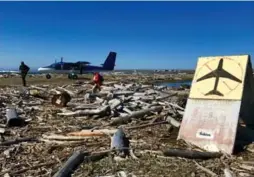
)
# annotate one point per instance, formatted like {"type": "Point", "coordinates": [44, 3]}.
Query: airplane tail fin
{"type": "Point", "coordinates": [109, 63]}
{"type": "Point", "coordinates": [214, 92]}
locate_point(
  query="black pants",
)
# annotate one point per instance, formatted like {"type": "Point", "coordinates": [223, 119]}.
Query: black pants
{"type": "Point", "coordinates": [23, 76]}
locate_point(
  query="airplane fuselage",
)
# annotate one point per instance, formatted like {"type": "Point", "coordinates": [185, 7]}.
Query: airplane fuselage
{"type": "Point", "coordinates": [79, 67]}
{"type": "Point", "coordinates": [86, 69]}
{"type": "Point", "coordinates": [218, 73]}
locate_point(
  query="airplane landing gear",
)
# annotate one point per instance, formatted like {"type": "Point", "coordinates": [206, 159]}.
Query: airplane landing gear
{"type": "Point", "coordinates": [48, 76]}
{"type": "Point", "coordinates": [72, 76]}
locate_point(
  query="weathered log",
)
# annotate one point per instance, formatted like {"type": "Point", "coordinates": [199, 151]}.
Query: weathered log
{"type": "Point", "coordinates": [173, 122]}
{"type": "Point", "coordinates": [228, 173]}
{"type": "Point", "coordinates": [176, 106]}
{"type": "Point", "coordinates": [85, 106]}
{"type": "Point", "coordinates": [101, 132]}
{"type": "Point", "coordinates": [71, 164]}
{"type": "Point", "coordinates": [39, 94]}
{"type": "Point", "coordinates": [39, 88]}
{"type": "Point", "coordinates": [62, 137]}
{"type": "Point", "coordinates": [100, 111]}
{"type": "Point", "coordinates": [136, 114]}
{"type": "Point", "coordinates": [118, 93]}
{"type": "Point", "coordinates": [191, 154]}
{"type": "Point", "coordinates": [114, 103]}
{"type": "Point", "coordinates": [165, 97]}
{"type": "Point", "coordinates": [66, 90]}
{"type": "Point", "coordinates": [206, 170]}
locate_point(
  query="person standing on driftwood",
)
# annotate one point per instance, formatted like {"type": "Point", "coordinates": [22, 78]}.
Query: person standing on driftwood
{"type": "Point", "coordinates": [23, 71]}
{"type": "Point", "coordinates": [98, 80]}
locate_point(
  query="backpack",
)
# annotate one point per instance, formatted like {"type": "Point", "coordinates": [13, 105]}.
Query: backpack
{"type": "Point", "coordinates": [101, 78]}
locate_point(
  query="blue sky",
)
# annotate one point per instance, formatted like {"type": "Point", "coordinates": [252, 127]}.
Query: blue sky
{"type": "Point", "coordinates": [145, 35]}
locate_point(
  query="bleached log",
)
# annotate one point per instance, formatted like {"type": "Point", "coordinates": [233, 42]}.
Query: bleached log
{"type": "Point", "coordinates": [55, 91]}
{"type": "Point", "coordinates": [246, 167]}
{"type": "Point", "coordinates": [62, 137]}
{"type": "Point", "coordinates": [117, 86]}
{"type": "Point", "coordinates": [85, 106]}
{"type": "Point", "coordinates": [39, 88]}
{"type": "Point", "coordinates": [176, 106]}
{"type": "Point", "coordinates": [101, 132]}
{"type": "Point", "coordinates": [118, 93]}
{"type": "Point", "coordinates": [127, 110]}
{"type": "Point", "coordinates": [173, 122]}
{"type": "Point", "coordinates": [61, 142]}
{"type": "Point", "coordinates": [180, 112]}
{"type": "Point", "coordinates": [2, 130]}
{"type": "Point", "coordinates": [100, 111]}
{"type": "Point", "coordinates": [99, 100]}
{"type": "Point", "coordinates": [66, 90]}
{"type": "Point", "coordinates": [141, 94]}
{"type": "Point", "coordinates": [114, 103]}
{"type": "Point", "coordinates": [136, 114]}
{"type": "Point", "coordinates": [228, 173]}
{"type": "Point", "coordinates": [165, 97]}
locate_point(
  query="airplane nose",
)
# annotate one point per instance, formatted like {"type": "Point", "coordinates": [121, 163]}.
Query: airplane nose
{"type": "Point", "coordinates": [43, 69]}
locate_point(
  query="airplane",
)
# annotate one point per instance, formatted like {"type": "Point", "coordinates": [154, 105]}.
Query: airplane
{"type": "Point", "coordinates": [217, 73]}
{"type": "Point", "coordinates": [80, 67]}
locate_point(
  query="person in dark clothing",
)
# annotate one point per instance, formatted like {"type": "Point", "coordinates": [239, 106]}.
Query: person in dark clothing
{"type": "Point", "coordinates": [23, 71]}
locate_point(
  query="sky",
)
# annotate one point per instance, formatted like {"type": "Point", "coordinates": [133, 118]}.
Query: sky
{"type": "Point", "coordinates": [145, 35]}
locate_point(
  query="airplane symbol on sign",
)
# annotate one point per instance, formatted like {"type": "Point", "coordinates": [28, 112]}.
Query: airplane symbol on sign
{"type": "Point", "coordinates": [217, 73]}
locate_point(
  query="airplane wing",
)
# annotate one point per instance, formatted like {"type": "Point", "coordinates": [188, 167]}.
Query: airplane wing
{"type": "Point", "coordinates": [207, 76]}
{"type": "Point", "coordinates": [226, 74]}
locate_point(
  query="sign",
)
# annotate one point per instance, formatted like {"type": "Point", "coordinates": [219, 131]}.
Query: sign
{"type": "Point", "coordinates": [219, 78]}
{"type": "Point", "coordinates": [221, 90]}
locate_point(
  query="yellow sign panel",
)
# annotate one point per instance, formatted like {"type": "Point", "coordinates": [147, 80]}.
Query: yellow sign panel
{"type": "Point", "coordinates": [220, 77]}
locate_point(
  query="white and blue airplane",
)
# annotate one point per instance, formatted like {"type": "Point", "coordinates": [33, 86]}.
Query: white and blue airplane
{"type": "Point", "coordinates": [80, 67]}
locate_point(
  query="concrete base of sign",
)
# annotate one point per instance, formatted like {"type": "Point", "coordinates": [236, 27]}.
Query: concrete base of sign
{"type": "Point", "coordinates": [211, 124]}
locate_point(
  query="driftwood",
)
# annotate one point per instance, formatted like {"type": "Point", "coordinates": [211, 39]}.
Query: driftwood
{"type": "Point", "coordinates": [136, 114]}
{"type": "Point", "coordinates": [71, 164]}
{"type": "Point", "coordinates": [127, 93]}
{"type": "Point", "coordinates": [191, 154]}
{"type": "Point", "coordinates": [101, 132]}
{"type": "Point", "coordinates": [84, 106]}
{"type": "Point", "coordinates": [62, 137]}
{"type": "Point", "coordinates": [100, 111]}
{"type": "Point", "coordinates": [66, 90]}
{"type": "Point", "coordinates": [114, 103]}
{"type": "Point", "coordinates": [228, 173]}
{"type": "Point", "coordinates": [173, 122]}
{"type": "Point", "coordinates": [206, 170]}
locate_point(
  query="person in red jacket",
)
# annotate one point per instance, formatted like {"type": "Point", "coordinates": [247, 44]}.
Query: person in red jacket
{"type": "Point", "coordinates": [98, 80]}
